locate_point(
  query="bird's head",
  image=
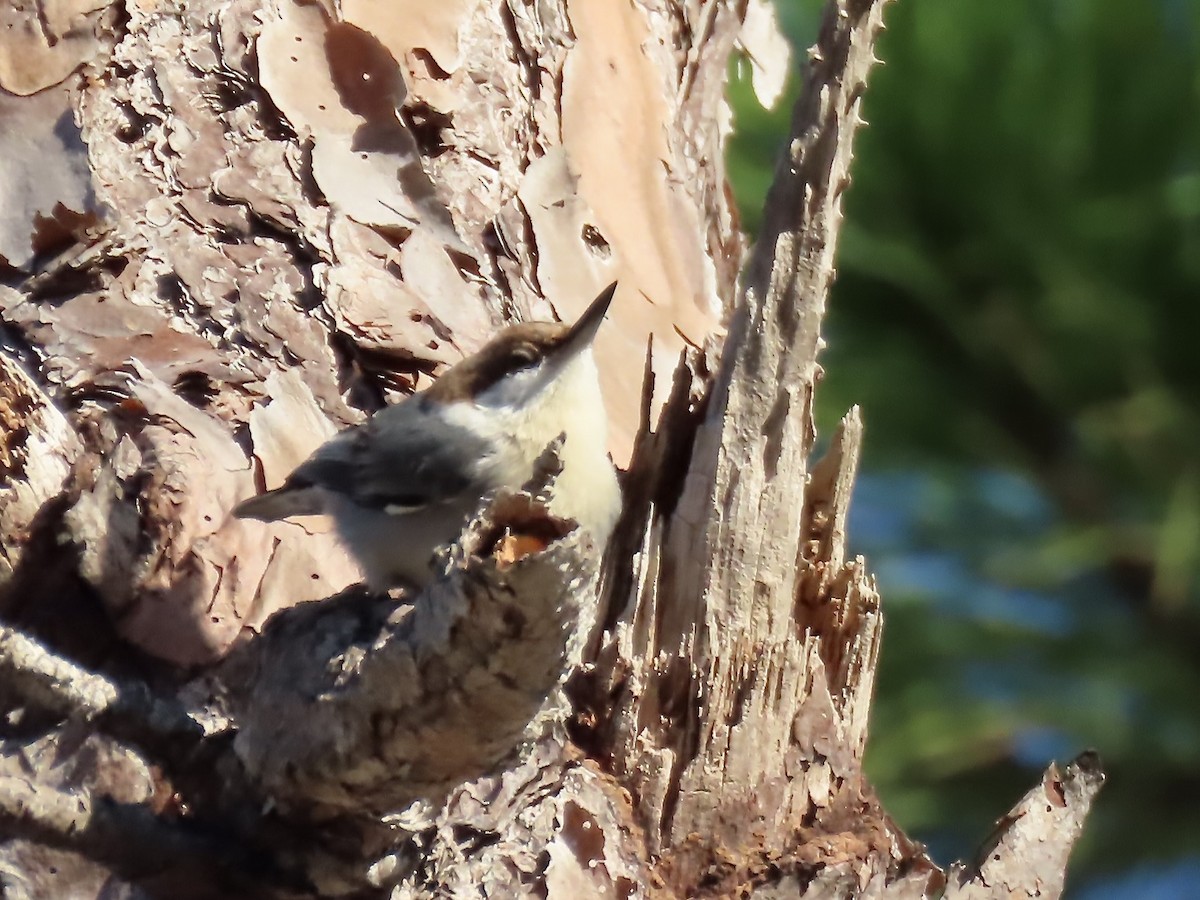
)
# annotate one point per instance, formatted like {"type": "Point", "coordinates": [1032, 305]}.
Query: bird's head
{"type": "Point", "coordinates": [525, 363]}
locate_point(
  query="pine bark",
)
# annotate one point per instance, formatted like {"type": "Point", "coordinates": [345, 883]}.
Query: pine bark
{"type": "Point", "coordinates": [261, 219]}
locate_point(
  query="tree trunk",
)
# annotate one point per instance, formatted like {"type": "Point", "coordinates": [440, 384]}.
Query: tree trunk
{"type": "Point", "coordinates": [241, 226]}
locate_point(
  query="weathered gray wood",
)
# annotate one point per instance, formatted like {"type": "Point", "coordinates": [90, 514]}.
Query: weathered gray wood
{"type": "Point", "coordinates": [742, 725]}
{"type": "Point", "coordinates": [1027, 854]}
{"type": "Point", "coordinates": [402, 702]}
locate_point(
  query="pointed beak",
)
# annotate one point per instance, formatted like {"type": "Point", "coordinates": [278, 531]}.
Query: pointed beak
{"type": "Point", "coordinates": [581, 334]}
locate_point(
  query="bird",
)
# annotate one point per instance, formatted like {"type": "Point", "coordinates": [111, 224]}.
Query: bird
{"type": "Point", "coordinates": [406, 481]}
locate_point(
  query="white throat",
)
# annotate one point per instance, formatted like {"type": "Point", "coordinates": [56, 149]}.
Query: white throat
{"type": "Point", "coordinates": [527, 410]}
{"type": "Point", "coordinates": [536, 405]}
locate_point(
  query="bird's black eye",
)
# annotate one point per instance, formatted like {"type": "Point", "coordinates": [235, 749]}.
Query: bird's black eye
{"type": "Point", "coordinates": [523, 356]}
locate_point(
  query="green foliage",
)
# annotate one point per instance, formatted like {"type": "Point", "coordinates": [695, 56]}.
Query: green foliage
{"type": "Point", "coordinates": [1017, 310]}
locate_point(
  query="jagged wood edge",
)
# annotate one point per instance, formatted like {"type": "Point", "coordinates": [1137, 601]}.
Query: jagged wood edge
{"type": "Point", "coordinates": [768, 373]}
{"type": "Point", "coordinates": [697, 627]}
{"type": "Point", "coordinates": [1028, 851]}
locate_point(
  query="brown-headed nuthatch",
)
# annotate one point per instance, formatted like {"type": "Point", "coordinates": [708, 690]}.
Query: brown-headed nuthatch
{"type": "Point", "coordinates": [406, 481]}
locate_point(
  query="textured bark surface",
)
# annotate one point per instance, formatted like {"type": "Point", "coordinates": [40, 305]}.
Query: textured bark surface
{"type": "Point", "coordinates": [415, 700]}
{"type": "Point", "coordinates": [260, 220]}
{"type": "Point", "coordinates": [304, 217]}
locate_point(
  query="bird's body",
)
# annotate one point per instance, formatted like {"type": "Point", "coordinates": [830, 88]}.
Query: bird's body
{"type": "Point", "coordinates": [405, 482]}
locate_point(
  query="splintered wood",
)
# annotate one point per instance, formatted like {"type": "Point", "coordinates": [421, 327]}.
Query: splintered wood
{"type": "Point", "coordinates": [743, 732]}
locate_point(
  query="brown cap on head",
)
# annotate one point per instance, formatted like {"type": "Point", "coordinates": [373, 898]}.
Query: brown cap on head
{"type": "Point", "coordinates": [518, 347]}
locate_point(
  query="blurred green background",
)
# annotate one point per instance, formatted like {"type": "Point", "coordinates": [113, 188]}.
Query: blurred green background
{"type": "Point", "coordinates": [1017, 311]}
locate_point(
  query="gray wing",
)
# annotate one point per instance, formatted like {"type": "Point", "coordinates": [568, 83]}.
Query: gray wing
{"type": "Point", "coordinates": [403, 457]}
